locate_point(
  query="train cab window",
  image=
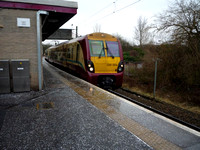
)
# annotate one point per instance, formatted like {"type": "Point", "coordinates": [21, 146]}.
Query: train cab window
{"type": "Point", "coordinates": [96, 48]}
{"type": "Point", "coordinates": [112, 49]}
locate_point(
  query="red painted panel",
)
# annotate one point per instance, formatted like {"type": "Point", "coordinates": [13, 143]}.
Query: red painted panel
{"type": "Point", "coordinates": [120, 51]}
{"type": "Point", "coordinates": [38, 7]}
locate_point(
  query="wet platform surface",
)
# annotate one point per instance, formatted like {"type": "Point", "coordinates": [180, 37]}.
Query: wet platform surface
{"type": "Point", "coordinates": [59, 118]}
{"type": "Point", "coordinates": [73, 114]}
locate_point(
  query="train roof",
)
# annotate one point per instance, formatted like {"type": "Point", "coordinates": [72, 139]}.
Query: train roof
{"type": "Point", "coordinates": [102, 36]}
{"type": "Point", "coordinates": [95, 35]}
{"type": "Point", "coordinates": [59, 12]}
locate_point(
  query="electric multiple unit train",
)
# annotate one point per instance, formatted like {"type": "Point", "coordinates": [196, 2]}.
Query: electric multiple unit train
{"type": "Point", "coordinates": [96, 58]}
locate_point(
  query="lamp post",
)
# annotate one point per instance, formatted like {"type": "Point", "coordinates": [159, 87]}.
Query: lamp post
{"type": "Point", "coordinates": [155, 76]}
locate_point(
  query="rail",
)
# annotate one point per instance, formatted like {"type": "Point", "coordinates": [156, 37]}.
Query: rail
{"type": "Point", "coordinates": [156, 111]}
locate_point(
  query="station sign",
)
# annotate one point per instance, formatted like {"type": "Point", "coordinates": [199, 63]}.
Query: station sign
{"type": "Point", "coordinates": [61, 34]}
{"type": "Point", "coordinates": [23, 22]}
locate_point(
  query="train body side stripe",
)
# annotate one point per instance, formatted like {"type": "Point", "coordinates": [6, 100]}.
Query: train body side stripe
{"type": "Point", "coordinates": [75, 62]}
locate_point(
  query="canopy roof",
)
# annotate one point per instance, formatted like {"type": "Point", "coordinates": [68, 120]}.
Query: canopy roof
{"type": "Point", "coordinates": [60, 11]}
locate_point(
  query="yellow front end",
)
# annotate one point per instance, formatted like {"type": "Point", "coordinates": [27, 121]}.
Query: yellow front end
{"type": "Point", "coordinates": [104, 52]}
{"type": "Point", "coordinates": [105, 64]}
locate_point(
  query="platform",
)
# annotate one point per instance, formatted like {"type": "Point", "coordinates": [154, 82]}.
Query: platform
{"type": "Point", "coordinates": [73, 114]}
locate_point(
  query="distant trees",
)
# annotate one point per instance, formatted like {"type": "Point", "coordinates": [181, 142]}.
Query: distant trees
{"type": "Point", "coordinates": [179, 54]}
{"type": "Point", "coordinates": [182, 20]}
{"type": "Point", "coordinates": [126, 45]}
{"type": "Point", "coordinates": [97, 28]}
{"type": "Point", "coordinates": [131, 53]}
{"type": "Point", "coordinates": [141, 31]}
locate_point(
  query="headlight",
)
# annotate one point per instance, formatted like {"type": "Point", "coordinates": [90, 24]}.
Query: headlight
{"type": "Point", "coordinates": [91, 69]}
{"type": "Point", "coordinates": [90, 66]}
{"type": "Point", "coordinates": [120, 66]}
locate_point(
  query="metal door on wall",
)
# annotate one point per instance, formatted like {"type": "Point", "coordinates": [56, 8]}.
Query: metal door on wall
{"type": "Point", "coordinates": [20, 73]}
{"type": "Point", "coordinates": [4, 76]}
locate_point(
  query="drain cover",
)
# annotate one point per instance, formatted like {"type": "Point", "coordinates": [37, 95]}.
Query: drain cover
{"type": "Point", "coordinates": [45, 105]}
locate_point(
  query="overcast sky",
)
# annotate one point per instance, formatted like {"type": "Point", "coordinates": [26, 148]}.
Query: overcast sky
{"type": "Point", "coordinates": [114, 16]}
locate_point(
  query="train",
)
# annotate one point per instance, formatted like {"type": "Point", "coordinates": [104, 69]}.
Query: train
{"type": "Point", "coordinates": [96, 58]}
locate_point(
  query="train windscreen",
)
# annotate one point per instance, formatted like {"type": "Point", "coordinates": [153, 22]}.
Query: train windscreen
{"type": "Point", "coordinates": [96, 48]}
{"type": "Point", "coordinates": [113, 49]}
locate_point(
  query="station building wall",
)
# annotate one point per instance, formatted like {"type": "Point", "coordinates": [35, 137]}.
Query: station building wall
{"type": "Point", "coordinates": [20, 42]}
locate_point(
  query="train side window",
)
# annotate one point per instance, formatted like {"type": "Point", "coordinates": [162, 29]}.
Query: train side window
{"type": "Point", "coordinates": [68, 53]}
{"type": "Point", "coordinates": [65, 51]}
{"type": "Point", "coordinates": [77, 52]}
{"type": "Point", "coordinates": [72, 53]}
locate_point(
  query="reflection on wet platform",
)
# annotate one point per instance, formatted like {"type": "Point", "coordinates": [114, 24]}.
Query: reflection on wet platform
{"type": "Point", "coordinates": [143, 123]}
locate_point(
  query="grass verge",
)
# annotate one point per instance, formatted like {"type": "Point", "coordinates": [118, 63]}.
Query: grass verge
{"type": "Point", "coordinates": [165, 96]}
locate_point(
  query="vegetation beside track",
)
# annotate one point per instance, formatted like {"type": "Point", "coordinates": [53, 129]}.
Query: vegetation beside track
{"type": "Point", "coordinates": [178, 81]}
{"type": "Point", "coordinates": [176, 53]}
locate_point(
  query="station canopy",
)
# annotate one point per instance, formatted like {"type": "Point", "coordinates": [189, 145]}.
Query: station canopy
{"type": "Point", "coordinates": [60, 11]}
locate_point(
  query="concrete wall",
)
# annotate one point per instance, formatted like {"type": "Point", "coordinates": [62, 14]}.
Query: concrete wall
{"type": "Point", "coordinates": [19, 42]}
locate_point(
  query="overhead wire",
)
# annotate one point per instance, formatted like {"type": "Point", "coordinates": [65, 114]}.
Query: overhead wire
{"type": "Point", "coordinates": [128, 6]}
{"type": "Point", "coordinates": [115, 11]}
{"type": "Point", "coordinates": [98, 11]}
{"type": "Point", "coordinates": [119, 10]}
{"type": "Point", "coordinates": [102, 9]}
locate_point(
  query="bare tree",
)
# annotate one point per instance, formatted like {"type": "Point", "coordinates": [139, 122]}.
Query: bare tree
{"type": "Point", "coordinates": [97, 28]}
{"type": "Point", "coordinates": [182, 20]}
{"type": "Point", "coordinates": [141, 31]}
{"type": "Point", "coordinates": [181, 60]}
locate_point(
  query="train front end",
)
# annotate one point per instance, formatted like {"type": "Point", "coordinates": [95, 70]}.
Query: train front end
{"type": "Point", "coordinates": [105, 60]}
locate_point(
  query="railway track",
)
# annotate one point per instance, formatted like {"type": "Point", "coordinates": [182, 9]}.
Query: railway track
{"type": "Point", "coordinates": [143, 104]}
{"type": "Point", "coordinates": [150, 107]}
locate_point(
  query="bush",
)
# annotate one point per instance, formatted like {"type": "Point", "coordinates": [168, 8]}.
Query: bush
{"type": "Point", "coordinates": [178, 71]}
{"type": "Point", "coordinates": [179, 68]}
{"type": "Point", "coordinates": [134, 55]}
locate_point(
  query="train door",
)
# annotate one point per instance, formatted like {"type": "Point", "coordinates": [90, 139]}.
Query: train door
{"type": "Point", "coordinates": [79, 58]}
